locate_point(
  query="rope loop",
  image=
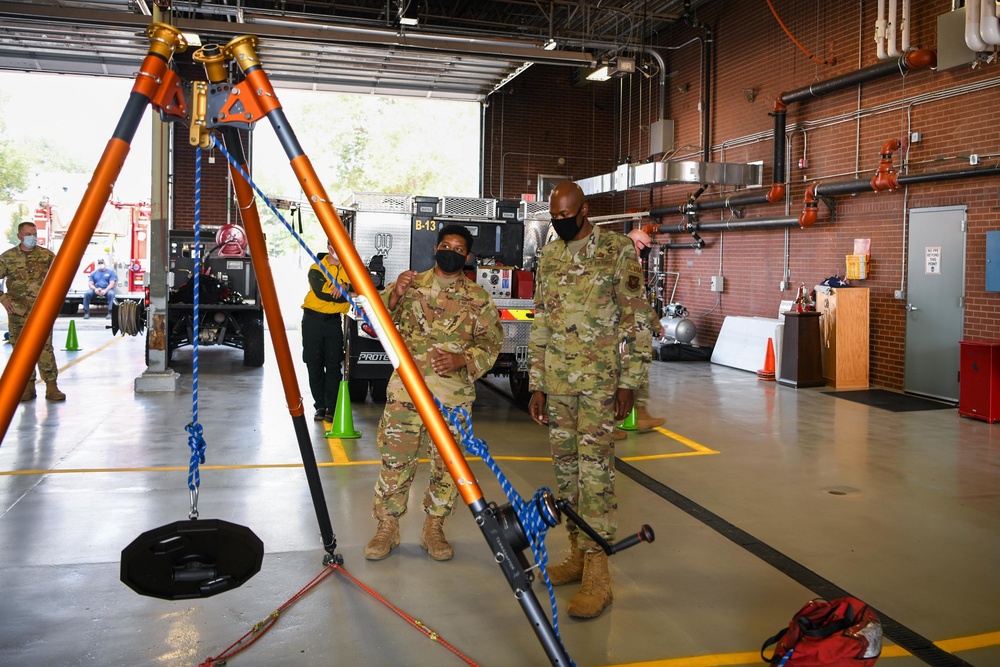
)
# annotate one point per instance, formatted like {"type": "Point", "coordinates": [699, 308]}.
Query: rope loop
{"type": "Point", "coordinates": [535, 526]}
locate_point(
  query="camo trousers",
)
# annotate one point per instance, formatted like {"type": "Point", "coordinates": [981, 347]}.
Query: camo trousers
{"type": "Point", "coordinates": [581, 435]}
{"type": "Point", "coordinates": [401, 437]}
{"type": "Point", "coordinates": [46, 359]}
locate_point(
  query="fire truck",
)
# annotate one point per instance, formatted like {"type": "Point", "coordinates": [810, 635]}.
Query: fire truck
{"type": "Point", "coordinates": [121, 240]}
{"type": "Point", "coordinates": [395, 232]}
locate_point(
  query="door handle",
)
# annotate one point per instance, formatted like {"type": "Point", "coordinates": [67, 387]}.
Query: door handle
{"type": "Point", "coordinates": [910, 308]}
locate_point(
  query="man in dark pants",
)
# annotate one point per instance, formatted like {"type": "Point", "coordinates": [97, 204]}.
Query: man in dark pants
{"type": "Point", "coordinates": [323, 333]}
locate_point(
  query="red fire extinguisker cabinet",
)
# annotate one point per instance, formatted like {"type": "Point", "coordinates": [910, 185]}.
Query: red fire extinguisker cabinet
{"type": "Point", "coordinates": [979, 382]}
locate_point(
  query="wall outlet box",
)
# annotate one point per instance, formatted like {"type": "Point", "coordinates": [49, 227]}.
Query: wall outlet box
{"type": "Point", "coordinates": [717, 282]}
{"type": "Point", "coordinates": [900, 295]}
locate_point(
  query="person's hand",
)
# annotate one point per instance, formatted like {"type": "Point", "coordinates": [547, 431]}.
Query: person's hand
{"type": "Point", "coordinates": [624, 400]}
{"type": "Point", "coordinates": [403, 282]}
{"type": "Point", "coordinates": [446, 362]}
{"type": "Point", "coordinates": [7, 305]}
{"type": "Point", "coordinates": [536, 408]}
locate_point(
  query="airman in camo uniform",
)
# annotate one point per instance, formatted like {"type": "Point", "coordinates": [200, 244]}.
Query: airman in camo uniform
{"type": "Point", "coordinates": [452, 329]}
{"type": "Point", "coordinates": [23, 269]}
{"type": "Point", "coordinates": [590, 348]}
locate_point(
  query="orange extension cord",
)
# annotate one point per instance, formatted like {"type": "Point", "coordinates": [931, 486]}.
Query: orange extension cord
{"type": "Point", "coordinates": [792, 37]}
{"type": "Point", "coordinates": [258, 630]}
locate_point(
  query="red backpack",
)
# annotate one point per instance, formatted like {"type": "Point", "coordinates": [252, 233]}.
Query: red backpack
{"type": "Point", "coordinates": [840, 633]}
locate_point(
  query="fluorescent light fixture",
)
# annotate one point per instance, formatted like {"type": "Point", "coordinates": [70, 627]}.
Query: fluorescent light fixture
{"type": "Point", "coordinates": [407, 14]}
{"type": "Point", "coordinates": [599, 74]}
{"type": "Point", "coordinates": [550, 45]}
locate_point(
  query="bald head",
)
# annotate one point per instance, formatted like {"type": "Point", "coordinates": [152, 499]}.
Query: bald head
{"type": "Point", "coordinates": [566, 199]}
{"type": "Point", "coordinates": [568, 208]}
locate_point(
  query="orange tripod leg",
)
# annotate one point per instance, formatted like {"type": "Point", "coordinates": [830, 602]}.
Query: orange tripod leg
{"type": "Point", "coordinates": [164, 41]}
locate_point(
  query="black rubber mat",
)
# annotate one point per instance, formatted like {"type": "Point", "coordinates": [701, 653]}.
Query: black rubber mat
{"type": "Point", "coordinates": [893, 401]}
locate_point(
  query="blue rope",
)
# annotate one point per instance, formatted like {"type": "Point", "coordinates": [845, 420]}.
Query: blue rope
{"type": "Point", "coordinates": [340, 287]}
{"type": "Point", "coordinates": [195, 440]}
{"type": "Point", "coordinates": [534, 525]}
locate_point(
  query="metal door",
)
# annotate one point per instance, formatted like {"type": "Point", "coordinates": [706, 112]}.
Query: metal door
{"type": "Point", "coordinates": [935, 300]}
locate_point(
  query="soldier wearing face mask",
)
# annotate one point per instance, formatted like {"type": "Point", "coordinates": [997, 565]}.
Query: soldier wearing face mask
{"type": "Point", "coordinates": [589, 350]}
{"type": "Point", "coordinates": [24, 268]}
{"type": "Point", "coordinates": [452, 329]}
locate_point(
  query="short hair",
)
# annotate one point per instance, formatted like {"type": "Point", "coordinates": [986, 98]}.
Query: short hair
{"type": "Point", "coordinates": [26, 223]}
{"type": "Point", "coordinates": [456, 230]}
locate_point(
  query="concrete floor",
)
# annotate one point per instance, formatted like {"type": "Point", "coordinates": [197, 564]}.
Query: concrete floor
{"type": "Point", "coordinates": [762, 497]}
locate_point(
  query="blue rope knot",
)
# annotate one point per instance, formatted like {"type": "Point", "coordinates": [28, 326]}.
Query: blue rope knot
{"type": "Point", "coordinates": [197, 444]}
{"type": "Point", "coordinates": [534, 525]}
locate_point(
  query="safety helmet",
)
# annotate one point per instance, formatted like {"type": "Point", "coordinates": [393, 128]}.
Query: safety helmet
{"type": "Point", "coordinates": [640, 239]}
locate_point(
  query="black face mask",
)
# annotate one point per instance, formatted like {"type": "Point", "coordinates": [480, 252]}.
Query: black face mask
{"type": "Point", "coordinates": [567, 228]}
{"type": "Point", "coordinates": [644, 253]}
{"type": "Point", "coordinates": [449, 261]}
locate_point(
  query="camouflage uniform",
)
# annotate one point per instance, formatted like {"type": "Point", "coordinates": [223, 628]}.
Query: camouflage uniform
{"type": "Point", "coordinates": [459, 318]}
{"type": "Point", "coordinates": [24, 273]}
{"type": "Point", "coordinates": [642, 393]}
{"type": "Point", "coordinates": [590, 336]}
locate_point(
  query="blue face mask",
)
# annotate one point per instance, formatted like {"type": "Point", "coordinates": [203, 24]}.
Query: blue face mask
{"type": "Point", "coordinates": [29, 241]}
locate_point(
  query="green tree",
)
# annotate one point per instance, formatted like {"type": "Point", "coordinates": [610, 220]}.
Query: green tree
{"type": "Point", "coordinates": [13, 165]}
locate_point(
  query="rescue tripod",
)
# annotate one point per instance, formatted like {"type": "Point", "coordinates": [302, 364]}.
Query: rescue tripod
{"type": "Point", "coordinates": [227, 108]}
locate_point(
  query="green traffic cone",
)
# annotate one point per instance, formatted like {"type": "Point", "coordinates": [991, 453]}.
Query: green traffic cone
{"type": "Point", "coordinates": [71, 344]}
{"type": "Point", "coordinates": [343, 421]}
{"type": "Point", "coordinates": [629, 423]}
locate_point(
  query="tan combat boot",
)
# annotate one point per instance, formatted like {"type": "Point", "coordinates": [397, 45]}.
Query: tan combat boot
{"type": "Point", "coordinates": [595, 593]}
{"type": "Point", "coordinates": [571, 569]}
{"type": "Point", "coordinates": [645, 421]}
{"type": "Point", "coordinates": [432, 539]}
{"type": "Point", "coordinates": [620, 434]}
{"type": "Point", "coordinates": [386, 537]}
{"type": "Point", "coordinates": [52, 392]}
{"type": "Point", "coordinates": [29, 392]}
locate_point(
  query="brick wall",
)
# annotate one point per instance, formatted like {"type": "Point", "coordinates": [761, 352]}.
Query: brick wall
{"type": "Point", "coordinates": [543, 117]}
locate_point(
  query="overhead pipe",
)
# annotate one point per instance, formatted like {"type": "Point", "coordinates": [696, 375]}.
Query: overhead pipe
{"type": "Point", "coordinates": [880, 23]}
{"type": "Point", "coordinates": [973, 15]}
{"type": "Point", "coordinates": [912, 60]}
{"type": "Point", "coordinates": [989, 22]}
{"type": "Point", "coordinates": [890, 28]}
{"type": "Point", "coordinates": [774, 194]}
{"type": "Point", "coordinates": [904, 27]}
{"type": "Point", "coordinates": [885, 180]}
{"type": "Point", "coordinates": [727, 226]}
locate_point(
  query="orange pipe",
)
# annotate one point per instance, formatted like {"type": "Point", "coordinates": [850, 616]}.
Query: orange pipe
{"type": "Point", "coordinates": [243, 51]}
{"type": "Point", "coordinates": [421, 396]}
{"type": "Point", "coordinates": [164, 41]}
{"type": "Point", "coordinates": [810, 210]}
{"type": "Point", "coordinates": [217, 72]}
{"type": "Point", "coordinates": [885, 177]}
{"type": "Point", "coordinates": [268, 292]}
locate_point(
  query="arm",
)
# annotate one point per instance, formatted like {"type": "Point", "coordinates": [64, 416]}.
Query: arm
{"type": "Point", "coordinates": [488, 339]}
{"type": "Point", "coordinates": [4, 296]}
{"type": "Point", "coordinates": [322, 288]}
{"type": "Point", "coordinates": [634, 322]}
{"type": "Point", "coordinates": [112, 281]}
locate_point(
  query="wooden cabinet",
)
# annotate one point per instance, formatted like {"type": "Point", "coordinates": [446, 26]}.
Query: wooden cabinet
{"type": "Point", "coordinates": [844, 332]}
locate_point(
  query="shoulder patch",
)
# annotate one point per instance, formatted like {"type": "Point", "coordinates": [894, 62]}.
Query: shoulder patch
{"type": "Point", "coordinates": [634, 281]}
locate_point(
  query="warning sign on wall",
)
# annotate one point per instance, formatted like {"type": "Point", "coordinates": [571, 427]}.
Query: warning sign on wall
{"type": "Point", "coordinates": [932, 260]}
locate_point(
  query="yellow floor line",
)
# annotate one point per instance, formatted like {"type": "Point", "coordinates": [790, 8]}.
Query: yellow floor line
{"type": "Point", "coordinates": [337, 452]}
{"type": "Point", "coordinates": [954, 645]}
{"type": "Point", "coordinates": [84, 356]}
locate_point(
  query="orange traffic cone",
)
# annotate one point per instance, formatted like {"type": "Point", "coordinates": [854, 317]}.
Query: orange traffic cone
{"type": "Point", "coordinates": [767, 373]}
